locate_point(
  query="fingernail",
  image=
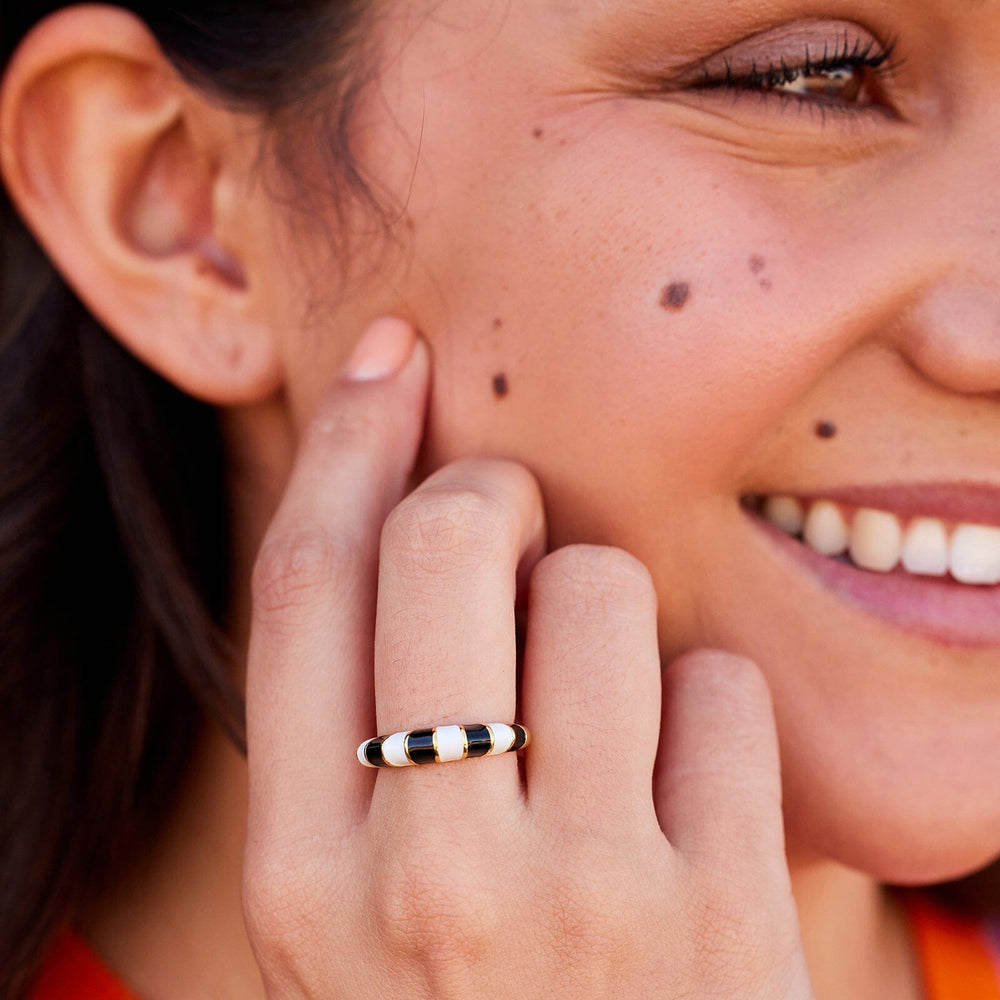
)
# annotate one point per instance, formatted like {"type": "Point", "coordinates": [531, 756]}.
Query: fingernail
{"type": "Point", "coordinates": [383, 350]}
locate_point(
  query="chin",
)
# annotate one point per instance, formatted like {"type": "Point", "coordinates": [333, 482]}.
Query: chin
{"type": "Point", "coordinates": [931, 867]}
{"type": "Point", "coordinates": [903, 848]}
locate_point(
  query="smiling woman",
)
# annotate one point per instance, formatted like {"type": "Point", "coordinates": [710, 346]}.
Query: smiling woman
{"type": "Point", "coordinates": [625, 374]}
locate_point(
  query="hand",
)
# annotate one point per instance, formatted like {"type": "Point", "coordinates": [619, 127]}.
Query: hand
{"type": "Point", "coordinates": [563, 878]}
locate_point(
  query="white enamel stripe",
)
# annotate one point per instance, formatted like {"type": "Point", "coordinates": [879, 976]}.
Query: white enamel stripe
{"type": "Point", "coordinates": [503, 737]}
{"type": "Point", "coordinates": [394, 751]}
{"type": "Point", "coordinates": [450, 743]}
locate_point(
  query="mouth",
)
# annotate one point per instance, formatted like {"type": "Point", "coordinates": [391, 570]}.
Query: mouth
{"type": "Point", "coordinates": [924, 558]}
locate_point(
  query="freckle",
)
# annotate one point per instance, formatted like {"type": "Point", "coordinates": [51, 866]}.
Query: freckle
{"type": "Point", "coordinates": [498, 323]}
{"type": "Point", "coordinates": [538, 132]}
{"type": "Point", "coordinates": [500, 385]}
{"type": "Point", "coordinates": [757, 263]}
{"type": "Point", "coordinates": [826, 429]}
{"type": "Point", "coordinates": [675, 295]}
{"type": "Point", "coordinates": [765, 284]}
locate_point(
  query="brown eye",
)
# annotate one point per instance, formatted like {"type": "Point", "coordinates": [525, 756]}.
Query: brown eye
{"type": "Point", "coordinates": [847, 84]}
{"type": "Point", "coordinates": [849, 73]}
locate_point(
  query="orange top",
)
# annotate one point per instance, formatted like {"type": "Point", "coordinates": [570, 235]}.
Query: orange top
{"type": "Point", "coordinates": [959, 957]}
{"type": "Point", "coordinates": [73, 972]}
{"type": "Point", "coordinates": [960, 960]}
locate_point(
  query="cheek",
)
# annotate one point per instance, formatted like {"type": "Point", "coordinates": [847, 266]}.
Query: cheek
{"type": "Point", "coordinates": [619, 343]}
{"type": "Point", "coordinates": [605, 293]}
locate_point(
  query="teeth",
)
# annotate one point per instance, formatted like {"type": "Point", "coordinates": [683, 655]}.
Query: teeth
{"type": "Point", "coordinates": [785, 512]}
{"type": "Point", "coordinates": [877, 541]}
{"type": "Point", "coordinates": [926, 550]}
{"type": "Point", "coordinates": [825, 529]}
{"type": "Point", "coordinates": [975, 554]}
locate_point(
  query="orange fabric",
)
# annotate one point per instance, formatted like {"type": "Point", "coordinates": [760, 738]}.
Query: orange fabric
{"type": "Point", "coordinates": [72, 970]}
{"type": "Point", "coordinates": [955, 955]}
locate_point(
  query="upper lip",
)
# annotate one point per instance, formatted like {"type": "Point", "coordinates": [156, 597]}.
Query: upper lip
{"type": "Point", "coordinates": [965, 502]}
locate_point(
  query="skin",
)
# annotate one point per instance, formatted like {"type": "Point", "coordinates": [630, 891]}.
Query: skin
{"type": "Point", "coordinates": [554, 171]}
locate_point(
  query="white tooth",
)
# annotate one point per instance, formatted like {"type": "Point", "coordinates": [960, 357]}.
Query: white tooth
{"type": "Point", "coordinates": [786, 513]}
{"type": "Point", "coordinates": [876, 540]}
{"type": "Point", "coordinates": [925, 550]}
{"type": "Point", "coordinates": [825, 529]}
{"type": "Point", "coordinates": [975, 554]}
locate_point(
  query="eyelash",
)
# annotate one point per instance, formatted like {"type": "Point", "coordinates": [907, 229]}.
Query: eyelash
{"type": "Point", "coordinates": [859, 55]}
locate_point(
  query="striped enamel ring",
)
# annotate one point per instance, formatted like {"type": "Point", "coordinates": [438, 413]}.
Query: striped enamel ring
{"type": "Point", "coordinates": [442, 744]}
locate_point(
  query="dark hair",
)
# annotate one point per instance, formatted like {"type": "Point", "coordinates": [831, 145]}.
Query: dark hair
{"type": "Point", "coordinates": [114, 543]}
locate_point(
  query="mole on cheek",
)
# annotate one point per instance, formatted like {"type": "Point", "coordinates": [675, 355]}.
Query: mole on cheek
{"type": "Point", "coordinates": [757, 265]}
{"type": "Point", "coordinates": [675, 295]}
{"type": "Point", "coordinates": [825, 429]}
{"type": "Point", "coordinates": [500, 385]}
{"type": "Point", "coordinates": [538, 132]}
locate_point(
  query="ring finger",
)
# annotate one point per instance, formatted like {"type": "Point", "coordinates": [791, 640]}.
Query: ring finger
{"type": "Point", "coordinates": [444, 637]}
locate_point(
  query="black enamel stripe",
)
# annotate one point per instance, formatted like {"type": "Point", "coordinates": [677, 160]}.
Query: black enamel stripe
{"type": "Point", "coordinates": [373, 752]}
{"type": "Point", "coordinates": [520, 737]}
{"type": "Point", "coordinates": [420, 746]}
{"type": "Point", "coordinates": [480, 740]}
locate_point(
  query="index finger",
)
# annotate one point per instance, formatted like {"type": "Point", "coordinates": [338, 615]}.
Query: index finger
{"type": "Point", "coordinates": [309, 669]}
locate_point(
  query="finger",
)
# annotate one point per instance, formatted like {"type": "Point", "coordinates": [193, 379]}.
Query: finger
{"type": "Point", "coordinates": [591, 689]}
{"type": "Point", "coordinates": [309, 686]}
{"type": "Point", "coordinates": [718, 782]}
{"type": "Point", "coordinates": [445, 638]}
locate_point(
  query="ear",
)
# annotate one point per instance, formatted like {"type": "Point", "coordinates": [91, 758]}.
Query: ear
{"type": "Point", "coordinates": [141, 191]}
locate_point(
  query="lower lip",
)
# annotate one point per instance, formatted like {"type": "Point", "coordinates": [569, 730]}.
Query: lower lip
{"type": "Point", "coordinates": [937, 608]}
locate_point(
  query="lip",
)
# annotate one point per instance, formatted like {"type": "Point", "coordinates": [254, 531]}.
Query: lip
{"type": "Point", "coordinates": [970, 503]}
{"type": "Point", "coordinates": [942, 610]}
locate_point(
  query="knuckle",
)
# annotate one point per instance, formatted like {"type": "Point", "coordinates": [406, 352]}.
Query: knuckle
{"type": "Point", "coordinates": [734, 685]}
{"type": "Point", "coordinates": [445, 527]}
{"type": "Point", "coordinates": [295, 570]}
{"type": "Point", "coordinates": [284, 902]}
{"type": "Point", "coordinates": [339, 426]}
{"type": "Point", "coordinates": [728, 934]}
{"type": "Point", "coordinates": [725, 672]}
{"type": "Point", "coordinates": [717, 930]}
{"type": "Point", "coordinates": [591, 920]}
{"type": "Point", "coordinates": [596, 579]}
{"type": "Point", "coordinates": [496, 476]}
{"type": "Point", "coordinates": [426, 912]}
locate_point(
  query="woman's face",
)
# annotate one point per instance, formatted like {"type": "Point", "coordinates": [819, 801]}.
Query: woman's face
{"type": "Point", "coordinates": [676, 257]}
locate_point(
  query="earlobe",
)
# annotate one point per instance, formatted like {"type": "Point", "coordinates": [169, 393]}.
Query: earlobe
{"type": "Point", "coordinates": [125, 174]}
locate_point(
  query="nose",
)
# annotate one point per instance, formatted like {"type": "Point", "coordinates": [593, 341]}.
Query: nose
{"type": "Point", "coordinates": [952, 328]}
{"type": "Point", "coordinates": [953, 333]}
